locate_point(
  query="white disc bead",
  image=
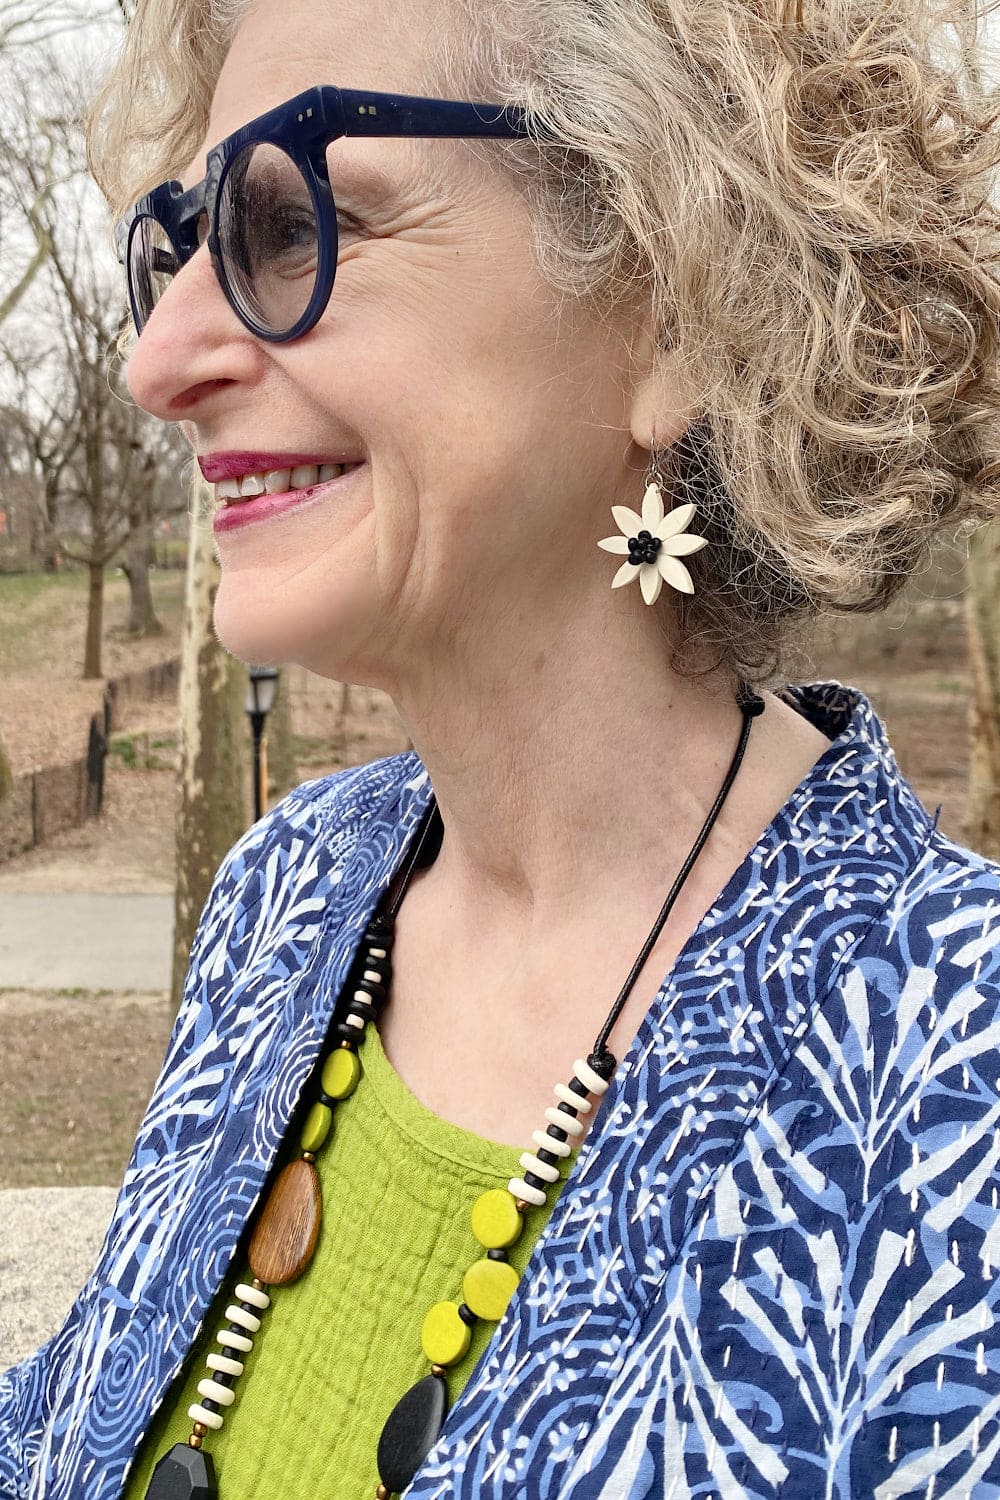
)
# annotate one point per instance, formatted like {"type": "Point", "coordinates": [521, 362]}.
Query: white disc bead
{"type": "Point", "coordinates": [541, 1169]}
{"type": "Point", "coordinates": [576, 1101]}
{"type": "Point", "coordinates": [223, 1364]}
{"type": "Point", "coordinates": [234, 1341]}
{"type": "Point", "coordinates": [358, 1022]}
{"type": "Point", "coordinates": [376, 953]}
{"type": "Point", "coordinates": [372, 978]}
{"type": "Point", "coordinates": [213, 1391]}
{"type": "Point", "coordinates": [208, 1418]}
{"type": "Point", "coordinates": [256, 1299]}
{"type": "Point", "coordinates": [591, 1081]}
{"type": "Point", "coordinates": [245, 1320]}
{"type": "Point", "coordinates": [564, 1121]}
{"type": "Point", "coordinates": [529, 1194]}
{"type": "Point", "coordinates": [549, 1142]}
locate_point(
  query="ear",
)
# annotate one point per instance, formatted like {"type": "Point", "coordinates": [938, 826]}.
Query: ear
{"type": "Point", "coordinates": [664, 400]}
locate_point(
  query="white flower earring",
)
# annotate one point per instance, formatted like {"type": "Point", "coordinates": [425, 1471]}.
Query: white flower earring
{"type": "Point", "coordinates": [655, 544]}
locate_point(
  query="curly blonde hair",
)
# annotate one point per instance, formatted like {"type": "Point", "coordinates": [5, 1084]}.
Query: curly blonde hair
{"type": "Point", "coordinates": [800, 191]}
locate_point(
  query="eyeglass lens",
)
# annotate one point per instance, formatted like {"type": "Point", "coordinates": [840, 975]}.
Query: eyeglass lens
{"type": "Point", "coordinates": [153, 264]}
{"type": "Point", "coordinates": [268, 237]}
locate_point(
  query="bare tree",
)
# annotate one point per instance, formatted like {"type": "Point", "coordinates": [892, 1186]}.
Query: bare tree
{"type": "Point", "coordinates": [100, 456]}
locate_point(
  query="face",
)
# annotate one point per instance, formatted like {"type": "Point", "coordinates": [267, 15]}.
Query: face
{"type": "Point", "coordinates": [484, 422]}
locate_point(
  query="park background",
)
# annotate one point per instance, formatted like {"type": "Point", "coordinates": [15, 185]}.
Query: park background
{"type": "Point", "coordinates": [125, 744]}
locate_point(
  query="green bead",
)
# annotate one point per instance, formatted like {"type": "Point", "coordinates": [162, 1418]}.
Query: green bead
{"type": "Point", "coordinates": [445, 1337]}
{"type": "Point", "coordinates": [488, 1286]}
{"type": "Point", "coordinates": [317, 1127]}
{"type": "Point", "coordinates": [496, 1222]}
{"type": "Point", "coordinates": [341, 1072]}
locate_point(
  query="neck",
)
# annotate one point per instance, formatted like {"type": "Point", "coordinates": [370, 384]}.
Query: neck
{"type": "Point", "coordinates": [578, 760]}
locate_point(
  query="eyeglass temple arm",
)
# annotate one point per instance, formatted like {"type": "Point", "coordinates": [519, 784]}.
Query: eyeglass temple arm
{"type": "Point", "coordinates": [403, 114]}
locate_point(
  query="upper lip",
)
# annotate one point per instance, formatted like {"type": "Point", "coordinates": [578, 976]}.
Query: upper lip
{"type": "Point", "coordinates": [216, 466]}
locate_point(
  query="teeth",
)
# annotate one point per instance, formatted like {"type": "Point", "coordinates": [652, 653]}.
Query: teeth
{"type": "Point", "coordinates": [305, 476]}
{"type": "Point", "coordinates": [278, 481]}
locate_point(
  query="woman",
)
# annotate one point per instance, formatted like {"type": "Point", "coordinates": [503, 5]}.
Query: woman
{"type": "Point", "coordinates": [729, 270]}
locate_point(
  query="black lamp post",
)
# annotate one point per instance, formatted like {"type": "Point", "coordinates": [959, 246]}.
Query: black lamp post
{"type": "Point", "coordinates": [262, 685]}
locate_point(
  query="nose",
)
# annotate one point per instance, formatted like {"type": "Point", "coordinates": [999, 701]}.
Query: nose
{"type": "Point", "coordinates": [193, 351]}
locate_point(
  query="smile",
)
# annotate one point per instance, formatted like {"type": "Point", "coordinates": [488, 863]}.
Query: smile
{"type": "Point", "coordinates": [266, 493]}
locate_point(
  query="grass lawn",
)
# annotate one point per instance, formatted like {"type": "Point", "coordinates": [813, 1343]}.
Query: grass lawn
{"type": "Point", "coordinates": [43, 621]}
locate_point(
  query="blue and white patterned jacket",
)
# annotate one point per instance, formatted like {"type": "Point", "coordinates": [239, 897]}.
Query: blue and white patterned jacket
{"type": "Point", "coordinates": [772, 1271]}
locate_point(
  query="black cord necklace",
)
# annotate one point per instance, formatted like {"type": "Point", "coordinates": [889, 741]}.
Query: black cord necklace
{"type": "Point", "coordinates": [287, 1229]}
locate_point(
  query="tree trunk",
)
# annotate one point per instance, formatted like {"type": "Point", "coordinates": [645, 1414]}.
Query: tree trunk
{"type": "Point", "coordinates": [982, 605]}
{"type": "Point", "coordinates": [282, 773]}
{"type": "Point", "coordinates": [214, 753]}
{"type": "Point", "coordinates": [95, 621]}
{"type": "Point", "coordinates": [139, 554]}
{"type": "Point", "coordinates": [6, 779]}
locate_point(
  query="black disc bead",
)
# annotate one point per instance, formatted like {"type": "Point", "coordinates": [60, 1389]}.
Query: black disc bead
{"type": "Point", "coordinates": [533, 1180]}
{"type": "Point", "coordinates": [497, 1254]}
{"type": "Point", "coordinates": [330, 1104]}
{"type": "Point", "coordinates": [467, 1315]}
{"type": "Point", "coordinates": [557, 1134]}
{"type": "Point", "coordinates": [579, 1087]}
{"type": "Point", "coordinates": [548, 1157]}
{"type": "Point", "coordinates": [208, 1403]}
{"type": "Point", "coordinates": [567, 1109]}
{"type": "Point", "coordinates": [362, 1009]}
{"type": "Point", "coordinates": [349, 1034]}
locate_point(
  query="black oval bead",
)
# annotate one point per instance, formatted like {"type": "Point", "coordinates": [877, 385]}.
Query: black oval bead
{"type": "Point", "coordinates": [183, 1474]}
{"type": "Point", "coordinates": [497, 1254]}
{"type": "Point", "coordinates": [411, 1432]}
{"type": "Point", "coordinates": [467, 1315]}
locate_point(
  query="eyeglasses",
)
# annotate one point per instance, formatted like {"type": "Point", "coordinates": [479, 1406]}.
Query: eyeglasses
{"type": "Point", "coordinates": [266, 208]}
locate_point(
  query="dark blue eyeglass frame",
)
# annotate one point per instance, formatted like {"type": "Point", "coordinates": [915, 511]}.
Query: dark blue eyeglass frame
{"type": "Point", "coordinates": [302, 128]}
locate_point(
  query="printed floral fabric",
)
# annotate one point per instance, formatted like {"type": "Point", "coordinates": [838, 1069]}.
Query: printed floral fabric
{"type": "Point", "coordinates": [772, 1271]}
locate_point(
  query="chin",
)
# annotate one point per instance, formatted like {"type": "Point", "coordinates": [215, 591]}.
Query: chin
{"type": "Point", "coordinates": [265, 630]}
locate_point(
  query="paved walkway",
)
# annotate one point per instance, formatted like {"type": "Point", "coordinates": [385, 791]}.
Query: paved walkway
{"type": "Point", "coordinates": [90, 942]}
{"type": "Point", "coordinates": [49, 1243]}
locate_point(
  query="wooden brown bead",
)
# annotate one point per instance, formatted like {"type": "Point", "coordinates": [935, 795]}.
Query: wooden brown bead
{"type": "Point", "coordinates": [284, 1240]}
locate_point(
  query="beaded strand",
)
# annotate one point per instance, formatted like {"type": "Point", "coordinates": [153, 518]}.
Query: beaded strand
{"type": "Point", "coordinates": [285, 1237]}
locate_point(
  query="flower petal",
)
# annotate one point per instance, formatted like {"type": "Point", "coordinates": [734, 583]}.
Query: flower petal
{"type": "Point", "coordinates": [675, 573]}
{"type": "Point", "coordinates": [681, 546]}
{"type": "Point", "coordinates": [630, 523]}
{"type": "Point", "coordinates": [614, 544]}
{"type": "Point", "coordinates": [650, 582]}
{"type": "Point", "coordinates": [675, 521]}
{"type": "Point", "coordinates": [652, 508]}
{"type": "Point", "coordinates": [625, 574]}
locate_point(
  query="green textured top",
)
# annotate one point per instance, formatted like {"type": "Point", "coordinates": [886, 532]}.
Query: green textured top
{"type": "Point", "coordinates": [340, 1346]}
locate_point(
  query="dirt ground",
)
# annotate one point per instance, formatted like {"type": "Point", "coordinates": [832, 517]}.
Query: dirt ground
{"type": "Point", "coordinates": [76, 1069]}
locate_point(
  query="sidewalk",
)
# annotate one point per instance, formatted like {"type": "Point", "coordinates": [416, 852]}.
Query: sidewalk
{"type": "Point", "coordinates": [82, 941]}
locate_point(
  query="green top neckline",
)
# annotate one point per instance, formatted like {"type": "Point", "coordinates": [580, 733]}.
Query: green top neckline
{"type": "Point", "coordinates": [439, 1139]}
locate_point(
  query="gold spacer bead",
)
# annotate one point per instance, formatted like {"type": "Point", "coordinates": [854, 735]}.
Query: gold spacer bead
{"type": "Point", "coordinates": [521, 1206]}
{"type": "Point", "coordinates": [346, 1047]}
{"type": "Point", "coordinates": [308, 1156]}
{"type": "Point", "coordinates": [438, 1370]}
{"type": "Point", "coordinates": [258, 1285]}
{"type": "Point", "coordinates": [382, 1493]}
{"type": "Point", "coordinates": [194, 1441]}
{"type": "Point", "coordinates": [200, 1430]}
